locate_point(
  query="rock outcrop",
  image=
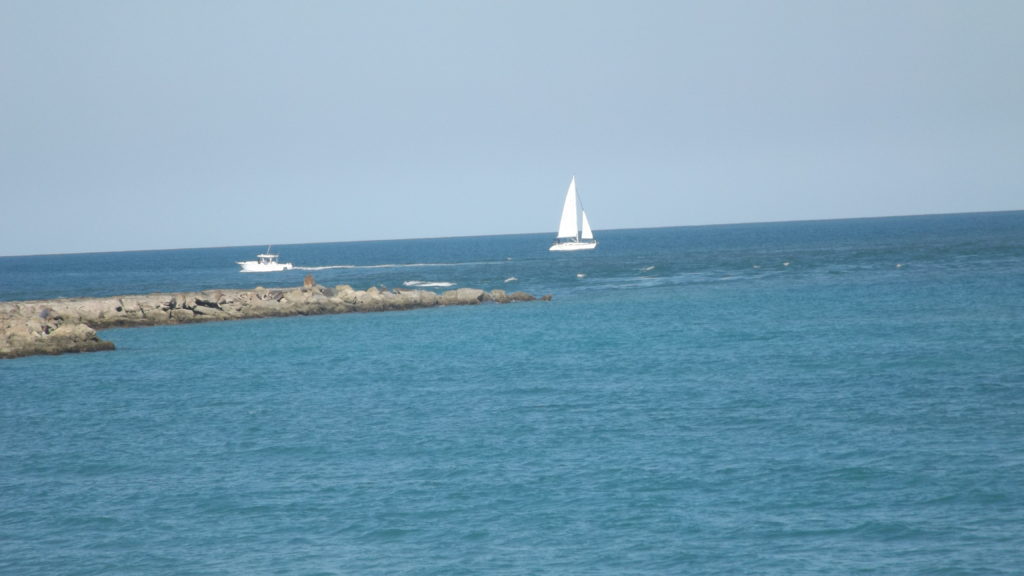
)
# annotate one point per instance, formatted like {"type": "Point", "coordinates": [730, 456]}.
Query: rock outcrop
{"type": "Point", "coordinates": [27, 331]}
{"type": "Point", "coordinates": [69, 324]}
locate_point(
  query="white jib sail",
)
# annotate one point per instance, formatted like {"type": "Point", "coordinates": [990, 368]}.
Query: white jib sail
{"type": "Point", "coordinates": [588, 234]}
{"type": "Point", "coordinates": [567, 227]}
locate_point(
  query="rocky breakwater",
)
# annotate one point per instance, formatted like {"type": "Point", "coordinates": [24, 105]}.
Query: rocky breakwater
{"type": "Point", "coordinates": [69, 324]}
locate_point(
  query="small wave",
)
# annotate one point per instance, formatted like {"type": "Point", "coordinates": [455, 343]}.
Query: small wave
{"type": "Point", "coordinates": [511, 279]}
{"type": "Point", "coordinates": [647, 269]}
{"type": "Point", "coordinates": [425, 284]}
{"type": "Point", "coordinates": [635, 282]}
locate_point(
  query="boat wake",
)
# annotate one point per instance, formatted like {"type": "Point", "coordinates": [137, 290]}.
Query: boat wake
{"type": "Point", "coordinates": [373, 266]}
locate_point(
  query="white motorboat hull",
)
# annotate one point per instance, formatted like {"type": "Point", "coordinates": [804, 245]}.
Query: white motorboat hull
{"type": "Point", "coordinates": [572, 246]}
{"type": "Point", "coordinates": [254, 266]}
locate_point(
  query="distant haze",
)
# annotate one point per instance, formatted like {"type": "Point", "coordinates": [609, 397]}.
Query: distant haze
{"type": "Point", "coordinates": [139, 125]}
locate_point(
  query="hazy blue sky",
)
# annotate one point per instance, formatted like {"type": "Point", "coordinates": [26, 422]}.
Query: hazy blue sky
{"type": "Point", "coordinates": [128, 125]}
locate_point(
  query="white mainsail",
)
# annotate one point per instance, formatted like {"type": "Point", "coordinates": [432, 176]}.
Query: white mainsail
{"type": "Point", "coordinates": [567, 226]}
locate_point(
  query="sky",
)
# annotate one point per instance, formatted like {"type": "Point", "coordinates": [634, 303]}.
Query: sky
{"type": "Point", "coordinates": [129, 125]}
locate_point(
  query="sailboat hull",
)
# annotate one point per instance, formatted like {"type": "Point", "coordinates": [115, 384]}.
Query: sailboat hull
{"type": "Point", "coordinates": [572, 246]}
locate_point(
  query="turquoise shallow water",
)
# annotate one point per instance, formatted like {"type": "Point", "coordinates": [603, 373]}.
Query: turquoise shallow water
{"type": "Point", "coordinates": [691, 404]}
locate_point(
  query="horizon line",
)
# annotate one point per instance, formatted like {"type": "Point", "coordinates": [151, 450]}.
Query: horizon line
{"type": "Point", "coordinates": [448, 237]}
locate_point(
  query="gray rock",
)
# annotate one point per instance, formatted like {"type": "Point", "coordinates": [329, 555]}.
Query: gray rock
{"type": "Point", "coordinates": [68, 325]}
{"type": "Point", "coordinates": [182, 315]}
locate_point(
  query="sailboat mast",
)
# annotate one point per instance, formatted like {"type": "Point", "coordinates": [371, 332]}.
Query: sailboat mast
{"type": "Point", "coordinates": [581, 221]}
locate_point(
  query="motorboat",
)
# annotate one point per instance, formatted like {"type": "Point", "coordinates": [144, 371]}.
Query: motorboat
{"type": "Point", "coordinates": [265, 263]}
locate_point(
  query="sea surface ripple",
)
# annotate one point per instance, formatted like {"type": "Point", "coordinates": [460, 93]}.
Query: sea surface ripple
{"type": "Point", "coordinates": [799, 398]}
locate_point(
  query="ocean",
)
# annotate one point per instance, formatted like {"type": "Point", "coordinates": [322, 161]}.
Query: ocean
{"type": "Point", "coordinates": [831, 397]}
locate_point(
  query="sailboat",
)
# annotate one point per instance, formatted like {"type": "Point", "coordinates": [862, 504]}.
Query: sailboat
{"type": "Point", "coordinates": [570, 234]}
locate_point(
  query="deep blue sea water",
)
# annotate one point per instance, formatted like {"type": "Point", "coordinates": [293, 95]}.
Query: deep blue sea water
{"type": "Point", "coordinates": [840, 397]}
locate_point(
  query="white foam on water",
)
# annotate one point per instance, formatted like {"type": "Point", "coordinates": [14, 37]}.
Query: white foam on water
{"type": "Point", "coordinates": [321, 267]}
{"type": "Point", "coordinates": [427, 284]}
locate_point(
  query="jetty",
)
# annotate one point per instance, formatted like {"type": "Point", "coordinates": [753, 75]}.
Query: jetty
{"type": "Point", "coordinates": [59, 326]}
